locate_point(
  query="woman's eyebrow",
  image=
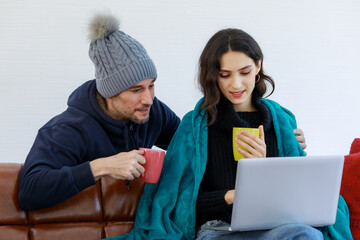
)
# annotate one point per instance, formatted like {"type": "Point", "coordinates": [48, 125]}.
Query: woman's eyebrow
{"type": "Point", "coordinates": [224, 70]}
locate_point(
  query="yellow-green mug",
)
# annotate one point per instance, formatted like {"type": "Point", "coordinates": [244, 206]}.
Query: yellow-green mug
{"type": "Point", "coordinates": [236, 130]}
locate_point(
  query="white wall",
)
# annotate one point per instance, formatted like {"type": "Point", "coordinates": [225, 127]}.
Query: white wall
{"type": "Point", "coordinates": [311, 49]}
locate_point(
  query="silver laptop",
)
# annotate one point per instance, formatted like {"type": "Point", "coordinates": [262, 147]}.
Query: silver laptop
{"type": "Point", "coordinates": [270, 192]}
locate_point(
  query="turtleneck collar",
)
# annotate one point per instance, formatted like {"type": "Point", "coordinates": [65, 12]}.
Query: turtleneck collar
{"type": "Point", "coordinates": [227, 117]}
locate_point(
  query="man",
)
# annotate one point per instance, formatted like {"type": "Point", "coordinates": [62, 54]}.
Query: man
{"type": "Point", "coordinates": [106, 121]}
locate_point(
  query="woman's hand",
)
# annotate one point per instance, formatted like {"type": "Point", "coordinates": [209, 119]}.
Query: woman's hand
{"type": "Point", "coordinates": [229, 197]}
{"type": "Point", "coordinates": [254, 146]}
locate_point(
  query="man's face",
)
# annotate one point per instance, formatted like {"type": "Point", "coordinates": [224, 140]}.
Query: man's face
{"type": "Point", "coordinates": [134, 103]}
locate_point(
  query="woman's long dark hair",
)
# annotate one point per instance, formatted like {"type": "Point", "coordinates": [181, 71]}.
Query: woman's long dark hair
{"type": "Point", "coordinates": [209, 66]}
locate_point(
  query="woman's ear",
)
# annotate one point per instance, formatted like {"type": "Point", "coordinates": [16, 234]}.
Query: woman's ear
{"type": "Point", "coordinates": [258, 67]}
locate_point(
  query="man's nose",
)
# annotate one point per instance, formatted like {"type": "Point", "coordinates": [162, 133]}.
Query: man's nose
{"type": "Point", "coordinates": [147, 98]}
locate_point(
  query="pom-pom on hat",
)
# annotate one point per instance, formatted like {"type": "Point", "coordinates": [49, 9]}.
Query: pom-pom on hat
{"type": "Point", "coordinates": [120, 60]}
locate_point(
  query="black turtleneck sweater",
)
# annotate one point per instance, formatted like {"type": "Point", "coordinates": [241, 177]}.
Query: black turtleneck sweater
{"type": "Point", "coordinates": [221, 167]}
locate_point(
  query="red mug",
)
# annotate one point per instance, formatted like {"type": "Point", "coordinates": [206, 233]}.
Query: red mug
{"type": "Point", "coordinates": [153, 166]}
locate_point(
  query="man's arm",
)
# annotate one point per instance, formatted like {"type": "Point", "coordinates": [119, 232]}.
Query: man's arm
{"type": "Point", "coordinates": [58, 167]}
{"type": "Point", "coordinates": [54, 169]}
{"type": "Point", "coordinates": [44, 187]}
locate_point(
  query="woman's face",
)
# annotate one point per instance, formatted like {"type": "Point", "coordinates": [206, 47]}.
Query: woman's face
{"type": "Point", "coordinates": [236, 79]}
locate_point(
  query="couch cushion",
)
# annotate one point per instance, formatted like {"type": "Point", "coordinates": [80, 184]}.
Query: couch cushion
{"type": "Point", "coordinates": [10, 211]}
{"type": "Point", "coordinates": [350, 190]}
{"type": "Point", "coordinates": [355, 146]}
{"type": "Point", "coordinates": [113, 229]}
{"type": "Point", "coordinates": [67, 231]}
{"type": "Point", "coordinates": [14, 232]}
{"type": "Point", "coordinates": [117, 205]}
{"type": "Point", "coordinates": [85, 206]}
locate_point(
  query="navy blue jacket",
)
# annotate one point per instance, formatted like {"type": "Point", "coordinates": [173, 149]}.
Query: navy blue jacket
{"type": "Point", "coordinates": [57, 166]}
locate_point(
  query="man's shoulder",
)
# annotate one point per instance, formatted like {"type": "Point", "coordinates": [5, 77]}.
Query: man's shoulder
{"type": "Point", "coordinates": [159, 110]}
{"type": "Point", "coordinates": [158, 104]}
{"type": "Point", "coordinates": [71, 117]}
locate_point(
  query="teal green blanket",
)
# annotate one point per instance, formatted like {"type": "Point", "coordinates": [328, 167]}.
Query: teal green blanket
{"type": "Point", "coordinates": [167, 209]}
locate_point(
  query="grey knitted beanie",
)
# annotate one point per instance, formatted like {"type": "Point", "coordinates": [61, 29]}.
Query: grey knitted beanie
{"type": "Point", "coordinates": [120, 61]}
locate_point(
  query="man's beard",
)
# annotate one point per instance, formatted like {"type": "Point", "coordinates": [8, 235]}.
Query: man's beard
{"type": "Point", "coordinates": [138, 121]}
{"type": "Point", "coordinates": [134, 119]}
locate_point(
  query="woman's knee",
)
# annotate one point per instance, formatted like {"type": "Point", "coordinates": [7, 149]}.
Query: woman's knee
{"type": "Point", "coordinates": [301, 231]}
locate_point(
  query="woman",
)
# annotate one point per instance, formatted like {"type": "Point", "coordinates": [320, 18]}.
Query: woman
{"type": "Point", "coordinates": [196, 188]}
{"type": "Point", "coordinates": [233, 83]}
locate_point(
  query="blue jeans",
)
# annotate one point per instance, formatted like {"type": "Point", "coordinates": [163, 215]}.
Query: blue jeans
{"type": "Point", "coordinates": [287, 231]}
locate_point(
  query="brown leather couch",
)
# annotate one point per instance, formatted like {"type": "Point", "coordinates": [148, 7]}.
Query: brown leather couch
{"type": "Point", "coordinates": [104, 210]}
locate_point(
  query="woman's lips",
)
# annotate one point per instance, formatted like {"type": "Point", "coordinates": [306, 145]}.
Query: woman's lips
{"type": "Point", "coordinates": [237, 94]}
